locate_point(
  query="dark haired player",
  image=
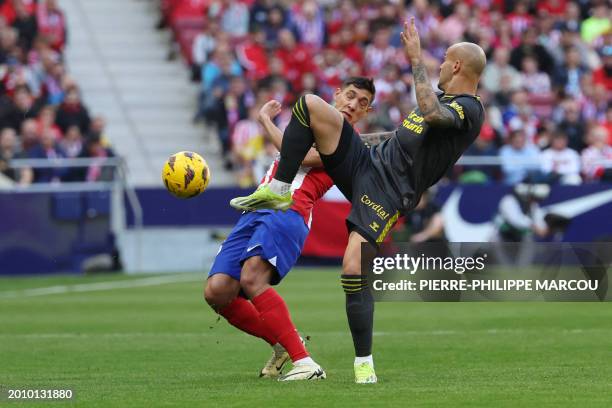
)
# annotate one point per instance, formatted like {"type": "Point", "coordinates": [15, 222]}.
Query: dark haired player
{"type": "Point", "coordinates": [264, 245]}
{"type": "Point", "coordinates": [386, 180]}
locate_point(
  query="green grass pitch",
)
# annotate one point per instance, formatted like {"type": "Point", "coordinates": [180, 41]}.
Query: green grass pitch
{"type": "Point", "coordinates": [161, 346]}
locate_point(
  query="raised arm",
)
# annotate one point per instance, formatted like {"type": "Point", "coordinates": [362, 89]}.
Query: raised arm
{"type": "Point", "coordinates": [432, 110]}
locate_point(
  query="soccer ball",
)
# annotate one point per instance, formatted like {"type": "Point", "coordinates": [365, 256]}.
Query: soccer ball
{"type": "Point", "coordinates": [186, 174]}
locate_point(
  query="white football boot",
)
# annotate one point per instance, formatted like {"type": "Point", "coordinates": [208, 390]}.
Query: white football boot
{"type": "Point", "coordinates": [304, 371]}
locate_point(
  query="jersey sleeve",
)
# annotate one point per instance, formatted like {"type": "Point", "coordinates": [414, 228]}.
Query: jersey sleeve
{"type": "Point", "coordinates": [465, 111]}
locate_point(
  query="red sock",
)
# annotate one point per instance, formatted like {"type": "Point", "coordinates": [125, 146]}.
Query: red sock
{"type": "Point", "coordinates": [275, 316]}
{"type": "Point", "coordinates": [242, 314]}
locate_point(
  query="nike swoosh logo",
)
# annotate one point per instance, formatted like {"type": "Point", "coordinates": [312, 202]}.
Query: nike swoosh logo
{"type": "Point", "coordinates": [252, 248]}
{"type": "Point", "coordinates": [317, 373]}
{"type": "Point", "coordinates": [457, 228]}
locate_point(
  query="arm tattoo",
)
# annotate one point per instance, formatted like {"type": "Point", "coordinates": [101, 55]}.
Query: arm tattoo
{"type": "Point", "coordinates": [430, 106]}
{"type": "Point", "coordinates": [375, 138]}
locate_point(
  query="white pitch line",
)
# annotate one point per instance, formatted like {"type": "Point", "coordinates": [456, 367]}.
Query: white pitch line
{"type": "Point", "coordinates": [93, 287]}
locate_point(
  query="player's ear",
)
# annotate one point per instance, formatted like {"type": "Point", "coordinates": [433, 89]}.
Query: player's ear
{"type": "Point", "coordinates": [456, 66]}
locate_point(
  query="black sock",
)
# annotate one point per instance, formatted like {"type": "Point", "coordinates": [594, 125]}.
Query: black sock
{"type": "Point", "coordinates": [360, 312]}
{"type": "Point", "coordinates": [297, 140]}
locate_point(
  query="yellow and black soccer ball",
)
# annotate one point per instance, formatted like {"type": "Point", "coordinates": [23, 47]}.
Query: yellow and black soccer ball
{"type": "Point", "coordinates": [186, 174]}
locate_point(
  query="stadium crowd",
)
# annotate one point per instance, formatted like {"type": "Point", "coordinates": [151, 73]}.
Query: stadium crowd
{"type": "Point", "coordinates": [547, 87]}
{"type": "Point", "coordinates": [42, 115]}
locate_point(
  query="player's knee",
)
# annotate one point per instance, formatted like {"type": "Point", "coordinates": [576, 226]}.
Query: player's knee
{"type": "Point", "coordinates": [351, 266]}
{"type": "Point", "coordinates": [314, 104]}
{"type": "Point", "coordinates": [218, 296]}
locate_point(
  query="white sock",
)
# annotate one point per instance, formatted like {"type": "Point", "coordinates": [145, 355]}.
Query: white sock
{"type": "Point", "coordinates": [305, 360]}
{"type": "Point", "coordinates": [366, 359]}
{"type": "Point", "coordinates": [279, 187]}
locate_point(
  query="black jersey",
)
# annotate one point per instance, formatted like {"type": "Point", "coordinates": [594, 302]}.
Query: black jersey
{"type": "Point", "coordinates": [419, 155]}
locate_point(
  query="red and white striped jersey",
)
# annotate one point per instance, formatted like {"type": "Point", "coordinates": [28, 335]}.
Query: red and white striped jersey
{"type": "Point", "coordinates": [308, 186]}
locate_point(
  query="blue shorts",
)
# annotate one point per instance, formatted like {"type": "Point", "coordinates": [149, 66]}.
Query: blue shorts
{"type": "Point", "coordinates": [276, 236]}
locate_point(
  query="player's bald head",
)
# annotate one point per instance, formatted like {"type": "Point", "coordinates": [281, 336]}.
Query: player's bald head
{"type": "Point", "coordinates": [472, 57]}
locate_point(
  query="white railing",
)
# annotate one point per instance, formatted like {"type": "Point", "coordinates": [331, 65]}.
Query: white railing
{"type": "Point", "coordinates": [118, 187]}
{"type": "Point", "coordinates": [499, 161]}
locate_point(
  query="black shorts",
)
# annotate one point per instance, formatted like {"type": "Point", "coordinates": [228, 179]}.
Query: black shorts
{"type": "Point", "coordinates": [373, 212]}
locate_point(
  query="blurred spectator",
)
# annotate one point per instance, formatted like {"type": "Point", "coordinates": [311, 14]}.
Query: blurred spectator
{"type": "Point", "coordinates": [46, 122]}
{"type": "Point", "coordinates": [95, 149]}
{"type": "Point", "coordinates": [348, 45]}
{"type": "Point", "coordinates": [247, 144]}
{"type": "Point", "coordinates": [297, 58]}
{"type": "Point", "coordinates": [533, 80]}
{"type": "Point", "coordinates": [555, 8]}
{"type": "Point", "coordinates": [72, 143]}
{"type": "Point", "coordinates": [568, 76]}
{"type": "Point", "coordinates": [52, 85]}
{"type": "Point", "coordinates": [275, 23]}
{"type": "Point", "coordinates": [573, 125]}
{"type": "Point", "coordinates": [559, 162]}
{"type": "Point", "coordinates": [597, 24]}
{"type": "Point", "coordinates": [529, 47]}
{"type": "Point", "coordinates": [453, 27]}
{"type": "Point", "coordinates": [526, 121]}
{"type": "Point", "coordinates": [29, 134]}
{"type": "Point", "coordinates": [500, 68]}
{"type": "Point", "coordinates": [203, 46]}
{"type": "Point", "coordinates": [52, 24]}
{"type": "Point", "coordinates": [309, 25]}
{"type": "Point", "coordinates": [217, 71]}
{"type": "Point", "coordinates": [25, 23]}
{"type": "Point", "coordinates": [569, 37]}
{"type": "Point", "coordinates": [603, 74]}
{"type": "Point", "coordinates": [73, 112]}
{"type": "Point", "coordinates": [9, 150]}
{"type": "Point", "coordinates": [252, 55]}
{"type": "Point", "coordinates": [520, 19]}
{"type": "Point", "coordinates": [98, 130]}
{"type": "Point", "coordinates": [20, 108]}
{"type": "Point", "coordinates": [263, 162]}
{"type": "Point", "coordinates": [518, 158]}
{"type": "Point", "coordinates": [233, 15]}
{"type": "Point", "coordinates": [483, 146]}
{"type": "Point", "coordinates": [47, 148]}
{"type": "Point", "coordinates": [259, 13]}
{"type": "Point", "coordinates": [597, 157]}
{"type": "Point", "coordinates": [227, 107]}
{"type": "Point", "coordinates": [379, 53]}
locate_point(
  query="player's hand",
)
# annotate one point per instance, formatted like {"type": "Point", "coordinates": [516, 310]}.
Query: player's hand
{"type": "Point", "coordinates": [411, 42]}
{"type": "Point", "coordinates": [269, 110]}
